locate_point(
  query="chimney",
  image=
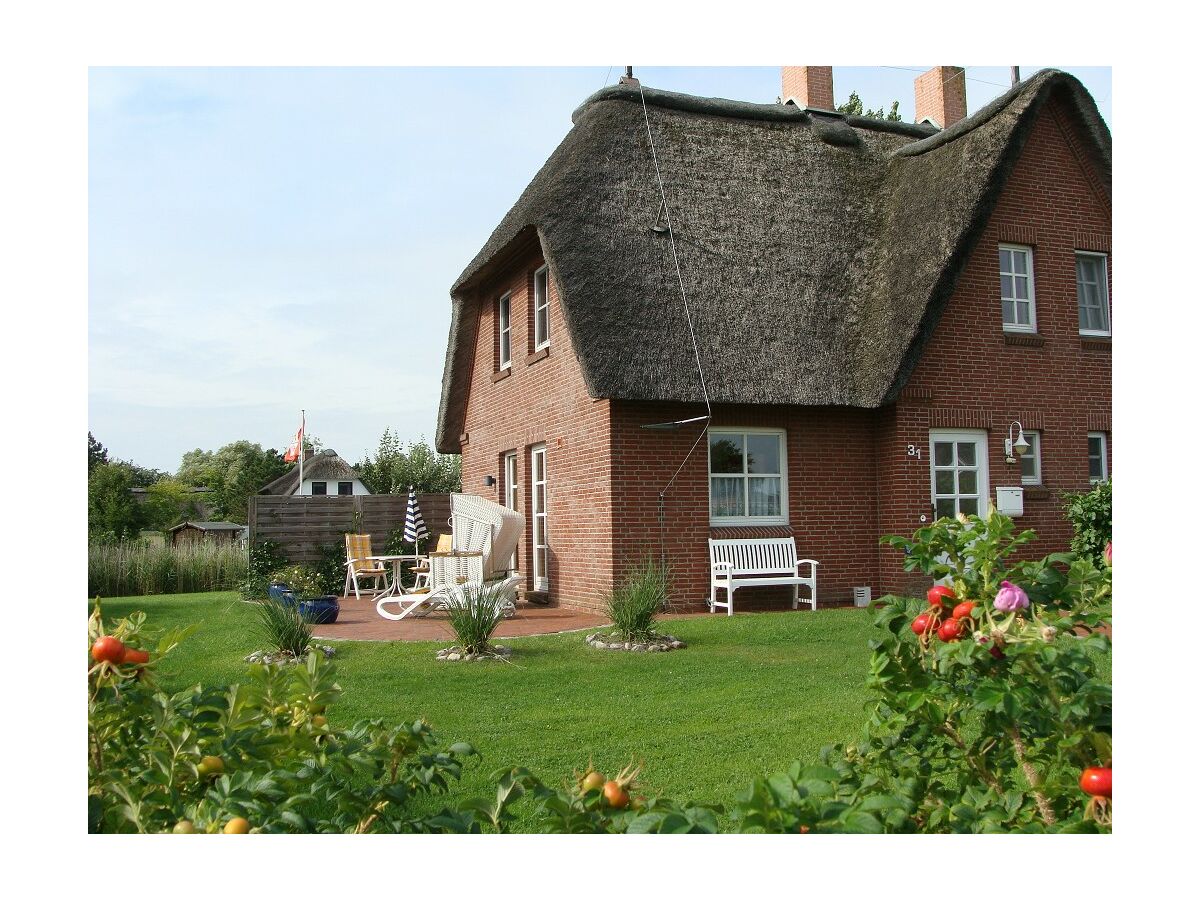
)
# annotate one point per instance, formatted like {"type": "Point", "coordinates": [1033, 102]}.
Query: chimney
{"type": "Point", "coordinates": [942, 95]}
{"type": "Point", "coordinates": [808, 86]}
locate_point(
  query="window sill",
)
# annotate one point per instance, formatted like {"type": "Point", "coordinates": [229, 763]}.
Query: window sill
{"type": "Point", "coordinates": [1095, 342]}
{"type": "Point", "coordinates": [1024, 339]}
{"type": "Point", "coordinates": [537, 355]}
{"type": "Point", "coordinates": [501, 375]}
{"type": "Point", "coordinates": [748, 523]}
{"type": "Point", "coordinates": [717, 532]}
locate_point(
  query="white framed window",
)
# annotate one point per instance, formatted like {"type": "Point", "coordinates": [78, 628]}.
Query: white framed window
{"type": "Point", "coordinates": [510, 492]}
{"type": "Point", "coordinates": [541, 308]}
{"type": "Point", "coordinates": [319, 489]}
{"type": "Point", "coordinates": [504, 312]}
{"type": "Point", "coordinates": [1031, 462]}
{"type": "Point", "coordinates": [958, 472]}
{"type": "Point", "coordinates": [1097, 456]}
{"type": "Point", "coordinates": [1018, 309]}
{"type": "Point", "coordinates": [541, 547]}
{"type": "Point", "coordinates": [1091, 287]}
{"type": "Point", "coordinates": [747, 476]}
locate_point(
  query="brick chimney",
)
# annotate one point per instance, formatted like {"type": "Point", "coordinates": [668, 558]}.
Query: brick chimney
{"type": "Point", "coordinates": [808, 86]}
{"type": "Point", "coordinates": [942, 95]}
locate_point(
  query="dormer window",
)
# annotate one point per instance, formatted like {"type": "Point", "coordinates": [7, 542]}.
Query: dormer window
{"type": "Point", "coordinates": [1016, 288]}
{"type": "Point", "coordinates": [541, 308]}
{"type": "Point", "coordinates": [504, 315]}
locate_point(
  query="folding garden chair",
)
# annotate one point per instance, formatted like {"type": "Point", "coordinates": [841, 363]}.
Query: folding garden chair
{"type": "Point", "coordinates": [361, 565]}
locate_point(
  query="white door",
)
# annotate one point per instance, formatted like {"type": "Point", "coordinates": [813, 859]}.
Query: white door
{"type": "Point", "coordinates": [958, 472]}
{"type": "Point", "coordinates": [510, 493]}
{"type": "Point", "coordinates": [541, 574]}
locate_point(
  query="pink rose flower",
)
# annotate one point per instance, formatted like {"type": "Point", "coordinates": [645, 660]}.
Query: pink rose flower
{"type": "Point", "coordinates": [1010, 598]}
{"type": "Point", "coordinates": [1108, 553]}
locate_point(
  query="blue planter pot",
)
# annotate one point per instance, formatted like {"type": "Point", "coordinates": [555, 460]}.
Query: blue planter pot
{"type": "Point", "coordinates": [319, 610]}
{"type": "Point", "coordinates": [281, 593]}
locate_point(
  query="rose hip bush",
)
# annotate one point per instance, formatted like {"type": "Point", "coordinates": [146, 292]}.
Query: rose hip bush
{"type": "Point", "coordinates": [254, 757]}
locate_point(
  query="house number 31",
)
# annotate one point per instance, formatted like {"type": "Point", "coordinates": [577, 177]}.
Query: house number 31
{"type": "Point", "coordinates": [914, 450]}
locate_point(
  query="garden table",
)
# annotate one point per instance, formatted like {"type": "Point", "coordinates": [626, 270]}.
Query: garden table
{"type": "Point", "coordinates": [395, 589]}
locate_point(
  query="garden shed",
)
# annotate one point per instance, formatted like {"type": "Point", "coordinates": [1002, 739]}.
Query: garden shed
{"type": "Point", "coordinates": [206, 532]}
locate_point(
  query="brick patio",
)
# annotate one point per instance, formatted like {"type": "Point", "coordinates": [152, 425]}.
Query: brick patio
{"type": "Point", "coordinates": [358, 621]}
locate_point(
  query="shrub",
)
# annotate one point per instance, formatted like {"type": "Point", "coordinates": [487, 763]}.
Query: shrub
{"type": "Point", "coordinates": [475, 612]}
{"type": "Point", "coordinates": [261, 750]}
{"type": "Point", "coordinates": [304, 581]}
{"type": "Point", "coordinates": [265, 559]}
{"type": "Point", "coordinates": [282, 627]}
{"type": "Point", "coordinates": [1090, 514]}
{"type": "Point", "coordinates": [331, 568]}
{"type": "Point", "coordinates": [638, 599]}
{"type": "Point", "coordinates": [131, 568]}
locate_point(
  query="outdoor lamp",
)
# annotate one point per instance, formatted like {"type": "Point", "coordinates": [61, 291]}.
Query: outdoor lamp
{"type": "Point", "coordinates": [489, 480]}
{"type": "Point", "coordinates": [1014, 448]}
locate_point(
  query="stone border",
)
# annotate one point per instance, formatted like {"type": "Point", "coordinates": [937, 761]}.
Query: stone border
{"type": "Point", "coordinates": [659, 643]}
{"type": "Point", "coordinates": [455, 654]}
{"type": "Point", "coordinates": [285, 657]}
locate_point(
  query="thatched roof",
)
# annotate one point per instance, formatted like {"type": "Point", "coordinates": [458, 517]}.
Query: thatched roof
{"type": "Point", "coordinates": [323, 466]}
{"type": "Point", "coordinates": [817, 250]}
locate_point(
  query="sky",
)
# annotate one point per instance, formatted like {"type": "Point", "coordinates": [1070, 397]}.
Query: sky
{"type": "Point", "coordinates": [263, 240]}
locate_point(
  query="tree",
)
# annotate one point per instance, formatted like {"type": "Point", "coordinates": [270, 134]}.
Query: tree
{"type": "Point", "coordinates": [854, 107]}
{"type": "Point", "coordinates": [113, 513]}
{"type": "Point", "coordinates": [233, 473]}
{"type": "Point", "coordinates": [97, 453]}
{"type": "Point", "coordinates": [393, 469]}
{"type": "Point", "coordinates": [168, 502]}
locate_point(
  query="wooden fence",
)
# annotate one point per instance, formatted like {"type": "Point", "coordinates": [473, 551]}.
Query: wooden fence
{"type": "Point", "coordinates": [302, 525]}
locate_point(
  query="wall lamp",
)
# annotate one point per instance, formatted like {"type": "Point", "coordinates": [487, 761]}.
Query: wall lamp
{"type": "Point", "coordinates": [1015, 447]}
{"type": "Point", "coordinates": [489, 480]}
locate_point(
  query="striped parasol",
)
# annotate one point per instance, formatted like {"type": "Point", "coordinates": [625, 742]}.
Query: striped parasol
{"type": "Point", "coordinates": [414, 525]}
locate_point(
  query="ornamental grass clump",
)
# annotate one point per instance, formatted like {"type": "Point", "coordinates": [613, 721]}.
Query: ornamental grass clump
{"type": "Point", "coordinates": [636, 602]}
{"type": "Point", "coordinates": [475, 612]}
{"type": "Point", "coordinates": [282, 627]}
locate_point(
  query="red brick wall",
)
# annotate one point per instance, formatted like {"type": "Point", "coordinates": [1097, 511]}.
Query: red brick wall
{"type": "Point", "coordinates": [543, 400]}
{"type": "Point", "coordinates": [969, 375]}
{"type": "Point", "coordinates": [832, 507]}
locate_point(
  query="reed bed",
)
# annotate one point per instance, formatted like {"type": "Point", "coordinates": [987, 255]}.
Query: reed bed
{"type": "Point", "coordinates": [137, 568]}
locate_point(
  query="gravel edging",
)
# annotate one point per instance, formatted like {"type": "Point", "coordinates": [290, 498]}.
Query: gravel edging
{"type": "Point", "coordinates": [659, 643]}
{"type": "Point", "coordinates": [286, 657]}
{"type": "Point", "coordinates": [456, 654]}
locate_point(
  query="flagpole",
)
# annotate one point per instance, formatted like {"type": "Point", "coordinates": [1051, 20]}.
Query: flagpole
{"type": "Point", "coordinates": [301, 451]}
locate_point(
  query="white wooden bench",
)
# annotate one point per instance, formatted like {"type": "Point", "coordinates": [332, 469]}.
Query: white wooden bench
{"type": "Point", "coordinates": [758, 562]}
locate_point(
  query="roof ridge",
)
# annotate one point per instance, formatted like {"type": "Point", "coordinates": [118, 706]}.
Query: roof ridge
{"type": "Point", "coordinates": [742, 109]}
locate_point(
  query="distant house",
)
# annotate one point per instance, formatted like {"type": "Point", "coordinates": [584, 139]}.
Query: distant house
{"type": "Point", "coordinates": [325, 474]}
{"type": "Point", "coordinates": [207, 532]}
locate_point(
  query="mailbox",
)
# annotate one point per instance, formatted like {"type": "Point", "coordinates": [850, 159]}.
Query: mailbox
{"type": "Point", "coordinates": [1010, 501]}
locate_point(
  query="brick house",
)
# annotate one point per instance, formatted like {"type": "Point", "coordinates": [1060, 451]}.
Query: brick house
{"type": "Point", "coordinates": [874, 305]}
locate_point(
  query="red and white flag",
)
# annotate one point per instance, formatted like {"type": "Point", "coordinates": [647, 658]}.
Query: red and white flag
{"type": "Point", "coordinates": [293, 452]}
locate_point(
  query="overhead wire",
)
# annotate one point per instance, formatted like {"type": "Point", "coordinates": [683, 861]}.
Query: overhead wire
{"type": "Point", "coordinates": [665, 211]}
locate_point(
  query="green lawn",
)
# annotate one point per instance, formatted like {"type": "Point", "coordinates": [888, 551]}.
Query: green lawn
{"type": "Point", "coordinates": [748, 696]}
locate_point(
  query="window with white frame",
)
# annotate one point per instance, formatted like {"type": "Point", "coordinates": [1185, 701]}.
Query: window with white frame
{"type": "Point", "coordinates": [1091, 287]}
{"type": "Point", "coordinates": [1031, 461]}
{"type": "Point", "coordinates": [1016, 288]}
{"type": "Point", "coordinates": [541, 544]}
{"type": "Point", "coordinates": [747, 476]}
{"type": "Point", "coordinates": [541, 308]}
{"type": "Point", "coordinates": [1097, 456]}
{"type": "Point", "coordinates": [505, 318]}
